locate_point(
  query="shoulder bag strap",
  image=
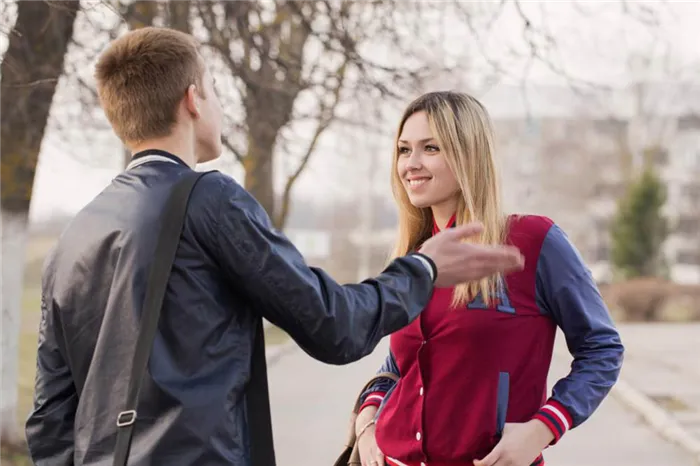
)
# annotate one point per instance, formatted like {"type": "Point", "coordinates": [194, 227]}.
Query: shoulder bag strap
{"type": "Point", "coordinates": [173, 220]}
{"type": "Point", "coordinates": [257, 397]}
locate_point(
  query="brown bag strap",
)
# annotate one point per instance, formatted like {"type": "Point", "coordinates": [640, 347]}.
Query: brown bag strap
{"type": "Point", "coordinates": [376, 378]}
{"type": "Point", "coordinates": [350, 455]}
{"type": "Point", "coordinates": [358, 403]}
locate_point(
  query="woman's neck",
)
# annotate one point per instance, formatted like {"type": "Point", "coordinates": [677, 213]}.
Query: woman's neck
{"type": "Point", "coordinates": [442, 216]}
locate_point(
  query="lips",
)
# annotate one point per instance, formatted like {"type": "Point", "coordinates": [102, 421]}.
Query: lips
{"type": "Point", "coordinates": [416, 183]}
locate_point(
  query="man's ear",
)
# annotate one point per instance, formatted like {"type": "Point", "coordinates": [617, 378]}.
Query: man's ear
{"type": "Point", "coordinates": [191, 99]}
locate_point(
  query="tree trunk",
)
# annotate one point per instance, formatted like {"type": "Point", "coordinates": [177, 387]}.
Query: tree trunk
{"type": "Point", "coordinates": [126, 152]}
{"type": "Point", "coordinates": [29, 74]}
{"type": "Point", "coordinates": [179, 15]}
{"type": "Point", "coordinates": [139, 14]}
{"type": "Point", "coordinates": [258, 162]}
{"type": "Point", "coordinates": [14, 241]}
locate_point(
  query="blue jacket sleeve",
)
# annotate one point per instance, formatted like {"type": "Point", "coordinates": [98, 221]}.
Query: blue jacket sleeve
{"type": "Point", "coordinates": [333, 323]}
{"type": "Point", "coordinates": [384, 385]}
{"type": "Point", "coordinates": [567, 292]}
{"type": "Point", "coordinates": [49, 428]}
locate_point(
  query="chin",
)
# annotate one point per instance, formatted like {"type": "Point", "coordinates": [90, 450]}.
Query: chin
{"type": "Point", "coordinates": [420, 203]}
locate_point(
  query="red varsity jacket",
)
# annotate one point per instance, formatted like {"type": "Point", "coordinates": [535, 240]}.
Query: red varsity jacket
{"type": "Point", "coordinates": [465, 372]}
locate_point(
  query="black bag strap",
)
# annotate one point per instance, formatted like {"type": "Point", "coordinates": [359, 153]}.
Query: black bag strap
{"type": "Point", "coordinates": [257, 396]}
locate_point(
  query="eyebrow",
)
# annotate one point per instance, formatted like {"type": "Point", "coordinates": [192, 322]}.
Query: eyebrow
{"type": "Point", "coordinates": [420, 141]}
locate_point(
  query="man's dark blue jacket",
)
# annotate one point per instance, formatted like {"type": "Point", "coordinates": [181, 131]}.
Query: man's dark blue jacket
{"type": "Point", "coordinates": [231, 270]}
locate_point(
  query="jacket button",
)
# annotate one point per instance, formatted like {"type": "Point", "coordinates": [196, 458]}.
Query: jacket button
{"type": "Point", "coordinates": [417, 435]}
{"type": "Point", "coordinates": [421, 391]}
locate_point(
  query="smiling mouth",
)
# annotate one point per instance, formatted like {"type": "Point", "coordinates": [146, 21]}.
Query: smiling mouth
{"type": "Point", "coordinates": [418, 182]}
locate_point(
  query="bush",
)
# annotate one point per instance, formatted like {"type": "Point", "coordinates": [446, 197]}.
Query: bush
{"type": "Point", "coordinates": [639, 229]}
{"type": "Point", "coordinates": [651, 299]}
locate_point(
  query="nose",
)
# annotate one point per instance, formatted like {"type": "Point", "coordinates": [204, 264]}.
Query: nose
{"type": "Point", "coordinates": [414, 161]}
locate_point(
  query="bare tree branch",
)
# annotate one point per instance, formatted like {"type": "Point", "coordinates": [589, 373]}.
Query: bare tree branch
{"type": "Point", "coordinates": [326, 116]}
{"type": "Point", "coordinates": [179, 15]}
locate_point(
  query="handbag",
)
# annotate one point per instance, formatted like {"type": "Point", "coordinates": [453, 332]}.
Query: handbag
{"type": "Point", "coordinates": [351, 454]}
{"type": "Point", "coordinates": [256, 394]}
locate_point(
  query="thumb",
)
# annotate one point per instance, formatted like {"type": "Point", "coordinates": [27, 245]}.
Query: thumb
{"type": "Point", "coordinates": [490, 459]}
{"type": "Point", "coordinates": [465, 231]}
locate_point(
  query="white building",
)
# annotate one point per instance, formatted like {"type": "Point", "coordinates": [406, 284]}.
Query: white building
{"type": "Point", "coordinates": [569, 164]}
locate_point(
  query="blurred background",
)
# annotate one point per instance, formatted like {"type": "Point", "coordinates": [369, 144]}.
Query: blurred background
{"type": "Point", "coordinates": [597, 113]}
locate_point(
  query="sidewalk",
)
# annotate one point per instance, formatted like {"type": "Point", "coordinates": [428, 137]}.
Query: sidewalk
{"type": "Point", "coordinates": [663, 362]}
{"type": "Point", "coordinates": [311, 403]}
{"type": "Point", "coordinates": [618, 434]}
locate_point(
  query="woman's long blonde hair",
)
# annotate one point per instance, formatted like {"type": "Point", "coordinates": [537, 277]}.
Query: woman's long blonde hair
{"type": "Point", "coordinates": [464, 133]}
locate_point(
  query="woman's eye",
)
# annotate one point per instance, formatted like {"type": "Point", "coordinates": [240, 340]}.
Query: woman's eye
{"type": "Point", "coordinates": [404, 150]}
{"type": "Point", "coordinates": [432, 148]}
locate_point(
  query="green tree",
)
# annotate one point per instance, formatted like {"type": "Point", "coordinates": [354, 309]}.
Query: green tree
{"type": "Point", "coordinates": [639, 228]}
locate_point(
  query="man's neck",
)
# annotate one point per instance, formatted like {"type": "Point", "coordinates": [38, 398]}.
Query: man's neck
{"type": "Point", "coordinates": [175, 146]}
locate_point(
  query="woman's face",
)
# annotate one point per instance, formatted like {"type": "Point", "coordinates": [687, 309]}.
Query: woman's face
{"type": "Point", "coordinates": [422, 167]}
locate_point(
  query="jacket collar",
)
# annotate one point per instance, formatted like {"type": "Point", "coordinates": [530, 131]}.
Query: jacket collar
{"type": "Point", "coordinates": [450, 224]}
{"type": "Point", "coordinates": [153, 155]}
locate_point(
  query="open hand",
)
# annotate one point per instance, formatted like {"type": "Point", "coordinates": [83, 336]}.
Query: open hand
{"type": "Point", "coordinates": [459, 262]}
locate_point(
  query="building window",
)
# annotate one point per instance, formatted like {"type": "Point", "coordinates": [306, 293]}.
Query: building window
{"type": "Point", "coordinates": [688, 225]}
{"type": "Point", "coordinates": [688, 256]}
{"type": "Point", "coordinates": [689, 122]}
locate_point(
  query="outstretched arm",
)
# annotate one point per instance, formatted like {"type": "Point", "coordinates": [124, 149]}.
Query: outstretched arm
{"type": "Point", "coordinates": [49, 428]}
{"type": "Point", "coordinates": [332, 323]}
{"type": "Point", "coordinates": [566, 290]}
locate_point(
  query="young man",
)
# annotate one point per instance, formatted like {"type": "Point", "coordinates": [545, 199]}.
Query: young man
{"type": "Point", "coordinates": [231, 269]}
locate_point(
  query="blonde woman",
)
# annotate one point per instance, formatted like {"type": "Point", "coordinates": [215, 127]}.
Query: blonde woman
{"type": "Point", "coordinates": [472, 387]}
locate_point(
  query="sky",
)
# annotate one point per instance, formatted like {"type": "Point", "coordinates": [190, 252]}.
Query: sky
{"type": "Point", "coordinates": [594, 42]}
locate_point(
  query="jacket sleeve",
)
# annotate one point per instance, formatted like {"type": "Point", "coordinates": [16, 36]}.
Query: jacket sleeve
{"type": "Point", "coordinates": [375, 393]}
{"type": "Point", "coordinates": [332, 323]}
{"type": "Point", "coordinates": [49, 428]}
{"type": "Point", "coordinates": [566, 291]}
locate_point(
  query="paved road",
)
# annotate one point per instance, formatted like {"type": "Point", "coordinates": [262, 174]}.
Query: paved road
{"type": "Point", "coordinates": [663, 362]}
{"type": "Point", "coordinates": [311, 403]}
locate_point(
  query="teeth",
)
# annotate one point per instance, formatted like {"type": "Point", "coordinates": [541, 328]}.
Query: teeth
{"type": "Point", "coordinates": [415, 183]}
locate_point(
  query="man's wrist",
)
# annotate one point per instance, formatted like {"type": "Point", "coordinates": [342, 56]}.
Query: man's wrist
{"type": "Point", "coordinates": [428, 263]}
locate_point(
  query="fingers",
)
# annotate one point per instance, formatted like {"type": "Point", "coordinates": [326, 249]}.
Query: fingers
{"type": "Point", "coordinates": [380, 459]}
{"type": "Point", "coordinates": [490, 459]}
{"type": "Point", "coordinates": [372, 456]}
{"type": "Point", "coordinates": [465, 231]}
{"type": "Point", "coordinates": [495, 258]}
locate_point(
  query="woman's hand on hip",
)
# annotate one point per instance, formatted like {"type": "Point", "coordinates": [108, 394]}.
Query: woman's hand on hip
{"type": "Point", "coordinates": [370, 454]}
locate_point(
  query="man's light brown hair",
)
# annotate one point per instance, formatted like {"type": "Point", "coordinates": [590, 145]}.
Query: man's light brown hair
{"type": "Point", "coordinates": [142, 77]}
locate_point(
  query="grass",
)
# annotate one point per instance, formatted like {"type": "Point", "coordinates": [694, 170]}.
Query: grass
{"type": "Point", "coordinates": [275, 336]}
{"type": "Point", "coordinates": [12, 455]}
